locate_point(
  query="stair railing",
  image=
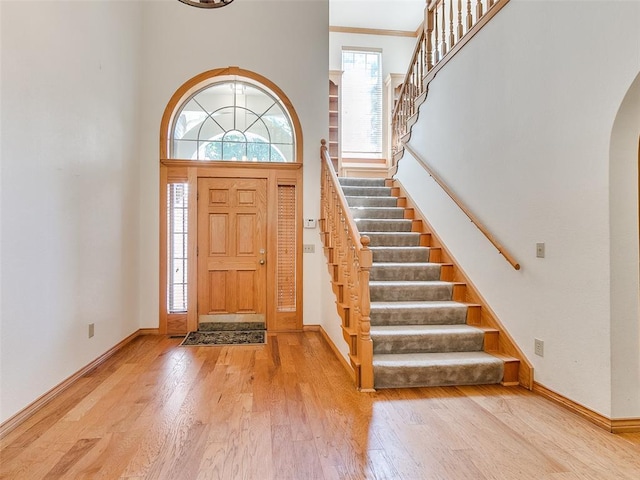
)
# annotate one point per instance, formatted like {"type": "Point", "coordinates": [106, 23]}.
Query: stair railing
{"type": "Point", "coordinates": [349, 259]}
{"type": "Point", "coordinates": [413, 86]}
{"type": "Point", "coordinates": [448, 26]}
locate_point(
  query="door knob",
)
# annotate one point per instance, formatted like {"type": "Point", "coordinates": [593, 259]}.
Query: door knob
{"type": "Point", "coordinates": [262, 262]}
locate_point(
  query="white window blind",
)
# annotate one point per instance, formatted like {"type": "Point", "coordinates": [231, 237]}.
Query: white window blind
{"type": "Point", "coordinates": [361, 104]}
{"type": "Point", "coordinates": [177, 212]}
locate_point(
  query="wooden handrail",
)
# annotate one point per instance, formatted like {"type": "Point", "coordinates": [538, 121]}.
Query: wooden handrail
{"type": "Point", "coordinates": [349, 259]}
{"type": "Point", "coordinates": [503, 251]}
{"type": "Point", "coordinates": [324, 151]}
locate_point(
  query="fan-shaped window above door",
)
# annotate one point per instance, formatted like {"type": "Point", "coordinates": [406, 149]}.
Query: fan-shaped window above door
{"type": "Point", "coordinates": [233, 119]}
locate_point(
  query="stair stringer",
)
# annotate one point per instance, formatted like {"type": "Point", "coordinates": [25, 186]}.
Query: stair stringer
{"type": "Point", "coordinates": [397, 156]}
{"type": "Point", "coordinates": [506, 347]}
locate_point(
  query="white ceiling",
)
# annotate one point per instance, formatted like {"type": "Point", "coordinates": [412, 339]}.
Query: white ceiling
{"type": "Point", "coordinates": [387, 15]}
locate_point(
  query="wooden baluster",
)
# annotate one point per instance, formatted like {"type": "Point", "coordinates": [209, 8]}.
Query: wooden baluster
{"type": "Point", "coordinates": [429, 32]}
{"type": "Point", "coordinates": [414, 82]}
{"type": "Point", "coordinates": [436, 44]}
{"type": "Point", "coordinates": [469, 16]}
{"type": "Point", "coordinates": [365, 348]}
{"type": "Point", "coordinates": [478, 10]}
{"type": "Point", "coordinates": [460, 29]}
{"type": "Point", "coordinates": [452, 37]}
{"type": "Point", "coordinates": [421, 64]}
{"type": "Point", "coordinates": [490, 4]}
{"type": "Point", "coordinates": [443, 46]}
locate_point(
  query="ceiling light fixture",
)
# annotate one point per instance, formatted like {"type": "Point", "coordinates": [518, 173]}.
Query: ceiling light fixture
{"type": "Point", "coordinates": [207, 3]}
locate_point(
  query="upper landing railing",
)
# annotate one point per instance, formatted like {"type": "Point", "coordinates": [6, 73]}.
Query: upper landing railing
{"type": "Point", "coordinates": [448, 26]}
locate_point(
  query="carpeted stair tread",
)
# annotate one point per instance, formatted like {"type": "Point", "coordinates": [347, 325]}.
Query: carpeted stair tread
{"type": "Point", "coordinates": [391, 271]}
{"type": "Point", "coordinates": [383, 224]}
{"type": "Point", "coordinates": [393, 239]}
{"type": "Point", "coordinates": [360, 181]}
{"type": "Point", "coordinates": [436, 369]}
{"type": "Point", "coordinates": [410, 291]}
{"type": "Point", "coordinates": [400, 254]}
{"type": "Point", "coordinates": [377, 212]}
{"type": "Point", "coordinates": [426, 338]}
{"type": "Point", "coordinates": [374, 201]}
{"type": "Point", "coordinates": [418, 313]}
{"type": "Point", "coordinates": [352, 191]}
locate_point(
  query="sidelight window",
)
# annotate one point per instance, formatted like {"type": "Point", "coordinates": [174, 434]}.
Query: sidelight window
{"type": "Point", "coordinates": [177, 221]}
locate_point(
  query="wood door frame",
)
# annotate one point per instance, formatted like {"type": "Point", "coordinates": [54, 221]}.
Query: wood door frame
{"type": "Point", "coordinates": [276, 174]}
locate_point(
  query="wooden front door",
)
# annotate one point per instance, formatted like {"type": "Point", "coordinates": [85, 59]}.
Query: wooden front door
{"type": "Point", "coordinates": [232, 242]}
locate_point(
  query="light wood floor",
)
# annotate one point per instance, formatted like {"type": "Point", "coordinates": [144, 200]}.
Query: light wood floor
{"type": "Point", "coordinates": [289, 411]}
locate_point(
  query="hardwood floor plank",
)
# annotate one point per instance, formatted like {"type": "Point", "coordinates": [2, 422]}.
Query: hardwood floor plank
{"type": "Point", "coordinates": [289, 410]}
{"type": "Point", "coordinates": [69, 459]}
{"type": "Point", "coordinates": [282, 453]}
{"type": "Point", "coordinates": [306, 461]}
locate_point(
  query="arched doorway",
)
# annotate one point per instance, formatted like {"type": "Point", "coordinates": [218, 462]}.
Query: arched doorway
{"type": "Point", "coordinates": [230, 203]}
{"type": "Point", "coordinates": [624, 211]}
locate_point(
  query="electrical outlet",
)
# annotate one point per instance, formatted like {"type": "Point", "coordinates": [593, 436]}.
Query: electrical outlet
{"type": "Point", "coordinates": [309, 223]}
{"type": "Point", "coordinates": [540, 250]}
{"type": "Point", "coordinates": [92, 329]}
{"type": "Point", "coordinates": [309, 248]}
{"type": "Point", "coordinates": [538, 347]}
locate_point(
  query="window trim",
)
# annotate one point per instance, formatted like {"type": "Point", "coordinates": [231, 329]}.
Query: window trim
{"type": "Point", "coordinates": [234, 107]}
{"type": "Point", "coordinates": [193, 85]}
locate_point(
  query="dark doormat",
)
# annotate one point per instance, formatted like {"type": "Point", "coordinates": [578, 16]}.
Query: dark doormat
{"type": "Point", "coordinates": [232, 337]}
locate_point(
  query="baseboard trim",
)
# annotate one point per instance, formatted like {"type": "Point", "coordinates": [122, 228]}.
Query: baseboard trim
{"type": "Point", "coordinates": [618, 425]}
{"type": "Point", "coordinates": [336, 352]}
{"type": "Point", "coordinates": [23, 415]}
{"type": "Point", "coordinates": [625, 425]}
{"type": "Point", "coordinates": [149, 331]}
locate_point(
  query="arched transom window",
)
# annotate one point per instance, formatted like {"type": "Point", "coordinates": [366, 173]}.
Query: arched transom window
{"type": "Point", "coordinates": [234, 120]}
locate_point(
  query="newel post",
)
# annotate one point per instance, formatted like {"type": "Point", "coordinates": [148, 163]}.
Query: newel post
{"type": "Point", "coordinates": [365, 344]}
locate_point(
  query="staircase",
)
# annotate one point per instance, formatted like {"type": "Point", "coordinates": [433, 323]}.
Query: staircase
{"type": "Point", "coordinates": [422, 331]}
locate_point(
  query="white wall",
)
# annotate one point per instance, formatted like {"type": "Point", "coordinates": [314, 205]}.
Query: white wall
{"type": "Point", "coordinates": [285, 41]}
{"type": "Point", "coordinates": [69, 189]}
{"type": "Point", "coordinates": [519, 125]}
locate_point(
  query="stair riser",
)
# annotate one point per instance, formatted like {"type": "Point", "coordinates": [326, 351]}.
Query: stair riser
{"type": "Point", "coordinates": [409, 274]}
{"type": "Point", "coordinates": [383, 225]}
{"type": "Point", "coordinates": [393, 239]}
{"type": "Point", "coordinates": [412, 293]}
{"type": "Point", "coordinates": [433, 376]}
{"type": "Point", "coordinates": [428, 316]}
{"type": "Point", "coordinates": [372, 201]}
{"type": "Point", "coordinates": [377, 212]}
{"type": "Point", "coordinates": [471, 342]}
{"type": "Point", "coordinates": [399, 255]}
